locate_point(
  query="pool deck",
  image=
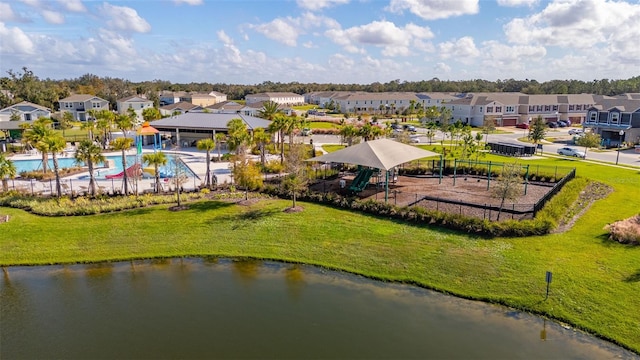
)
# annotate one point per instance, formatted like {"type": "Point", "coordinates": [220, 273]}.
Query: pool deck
{"type": "Point", "coordinates": [195, 159]}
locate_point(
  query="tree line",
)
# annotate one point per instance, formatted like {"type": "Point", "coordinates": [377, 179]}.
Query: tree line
{"type": "Point", "coordinates": [25, 85]}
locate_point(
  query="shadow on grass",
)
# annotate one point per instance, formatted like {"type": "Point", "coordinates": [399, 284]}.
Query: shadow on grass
{"type": "Point", "coordinates": [635, 277]}
{"type": "Point", "coordinates": [245, 218]}
{"type": "Point", "coordinates": [209, 205]}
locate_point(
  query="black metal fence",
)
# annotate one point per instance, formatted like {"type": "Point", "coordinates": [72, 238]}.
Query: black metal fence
{"type": "Point", "coordinates": [556, 188]}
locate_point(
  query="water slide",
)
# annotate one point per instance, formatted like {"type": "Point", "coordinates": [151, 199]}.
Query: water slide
{"type": "Point", "coordinates": [131, 172]}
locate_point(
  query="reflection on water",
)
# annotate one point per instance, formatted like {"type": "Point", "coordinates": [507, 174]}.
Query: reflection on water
{"type": "Point", "coordinates": [219, 308]}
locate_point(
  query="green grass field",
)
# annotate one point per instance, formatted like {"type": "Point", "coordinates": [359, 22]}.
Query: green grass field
{"type": "Point", "coordinates": [596, 283]}
{"type": "Point", "coordinates": [322, 125]}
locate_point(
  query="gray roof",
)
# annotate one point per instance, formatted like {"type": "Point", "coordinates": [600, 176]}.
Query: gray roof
{"type": "Point", "coordinates": [13, 125]}
{"type": "Point", "coordinates": [81, 98]}
{"type": "Point", "coordinates": [182, 105]}
{"type": "Point", "coordinates": [624, 105]}
{"type": "Point", "coordinates": [25, 106]}
{"type": "Point", "coordinates": [212, 121]}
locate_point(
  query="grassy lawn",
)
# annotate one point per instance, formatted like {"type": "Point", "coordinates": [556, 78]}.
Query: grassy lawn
{"type": "Point", "coordinates": [596, 284]}
{"type": "Point", "coordinates": [332, 148]}
{"type": "Point", "coordinates": [305, 107]}
{"type": "Point", "coordinates": [322, 125]}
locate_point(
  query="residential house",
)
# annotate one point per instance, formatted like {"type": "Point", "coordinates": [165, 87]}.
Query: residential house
{"type": "Point", "coordinates": [374, 103]}
{"type": "Point", "coordinates": [136, 102]}
{"type": "Point", "coordinates": [181, 107]}
{"type": "Point", "coordinates": [172, 97]}
{"type": "Point", "coordinates": [203, 100]}
{"type": "Point", "coordinates": [226, 107]}
{"type": "Point", "coordinates": [79, 105]}
{"type": "Point", "coordinates": [510, 109]}
{"type": "Point", "coordinates": [284, 98]}
{"type": "Point", "coordinates": [616, 120]}
{"type": "Point", "coordinates": [24, 111]}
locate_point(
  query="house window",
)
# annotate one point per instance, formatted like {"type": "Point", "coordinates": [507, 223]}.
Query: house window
{"type": "Point", "coordinates": [498, 109]}
{"type": "Point", "coordinates": [532, 108]}
{"type": "Point", "coordinates": [547, 108]}
{"type": "Point", "coordinates": [555, 107]}
{"type": "Point", "coordinates": [510, 109]}
{"type": "Point", "coordinates": [593, 116]}
{"type": "Point", "coordinates": [578, 107]}
{"type": "Point", "coordinates": [572, 107]}
{"type": "Point", "coordinates": [615, 117]}
{"type": "Point", "coordinates": [489, 109]}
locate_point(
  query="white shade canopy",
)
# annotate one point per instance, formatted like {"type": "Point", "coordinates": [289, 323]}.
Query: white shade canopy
{"type": "Point", "coordinates": [382, 154]}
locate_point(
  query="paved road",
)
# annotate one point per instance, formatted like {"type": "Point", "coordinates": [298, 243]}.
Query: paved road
{"type": "Point", "coordinates": [626, 157]}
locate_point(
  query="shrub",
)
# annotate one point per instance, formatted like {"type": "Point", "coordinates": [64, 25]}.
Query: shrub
{"type": "Point", "coordinates": [625, 231]}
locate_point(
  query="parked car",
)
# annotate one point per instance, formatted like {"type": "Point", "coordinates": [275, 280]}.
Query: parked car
{"type": "Point", "coordinates": [565, 122]}
{"type": "Point", "coordinates": [567, 151]}
{"type": "Point", "coordinates": [410, 128]}
{"type": "Point", "coordinates": [306, 132]}
{"type": "Point", "coordinates": [522, 126]}
{"type": "Point", "coordinates": [395, 126]}
{"type": "Point", "coordinates": [552, 124]}
{"type": "Point", "coordinates": [576, 131]}
{"type": "Point", "coordinates": [415, 139]}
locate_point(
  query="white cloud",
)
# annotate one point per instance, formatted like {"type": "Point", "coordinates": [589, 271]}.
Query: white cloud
{"type": "Point", "coordinates": [393, 40]}
{"type": "Point", "coordinates": [15, 41]}
{"type": "Point", "coordinates": [73, 5]}
{"type": "Point", "coordinates": [52, 17]}
{"type": "Point", "coordinates": [463, 50]}
{"type": "Point", "coordinates": [441, 68]}
{"type": "Point", "coordinates": [508, 57]}
{"type": "Point", "coordinates": [189, 2]}
{"type": "Point", "coordinates": [515, 3]}
{"type": "Point", "coordinates": [287, 30]}
{"type": "Point", "coordinates": [125, 18]}
{"type": "Point", "coordinates": [578, 24]}
{"type": "Point", "coordinates": [279, 30]}
{"type": "Point", "coordinates": [319, 4]}
{"type": "Point", "coordinates": [222, 36]}
{"type": "Point", "coordinates": [6, 12]}
{"type": "Point", "coordinates": [435, 9]}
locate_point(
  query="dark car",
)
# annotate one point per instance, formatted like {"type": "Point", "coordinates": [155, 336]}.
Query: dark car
{"type": "Point", "coordinates": [522, 126]}
{"type": "Point", "coordinates": [410, 128]}
{"type": "Point", "coordinates": [565, 122]}
{"type": "Point", "coordinates": [552, 124]}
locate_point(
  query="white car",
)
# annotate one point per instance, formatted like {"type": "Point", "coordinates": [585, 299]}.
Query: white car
{"type": "Point", "coordinates": [567, 151]}
{"type": "Point", "coordinates": [576, 131]}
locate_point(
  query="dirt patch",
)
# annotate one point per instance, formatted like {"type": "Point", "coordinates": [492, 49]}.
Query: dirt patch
{"type": "Point", "coordinates": [248, 202]}
{"type": "Point", "coordinates": [431, 193]}
{"type": "Point", "coordinates": [4, 218]}
{"type": "Point", "coordinates": [294, 209]}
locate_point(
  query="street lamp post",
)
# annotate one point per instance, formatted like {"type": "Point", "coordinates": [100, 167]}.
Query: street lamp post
{"type": "Point", "coordinates": [621, 133]}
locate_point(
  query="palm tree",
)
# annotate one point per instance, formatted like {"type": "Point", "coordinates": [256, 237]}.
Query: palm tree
{"type": "Point", "coordinates": [238, 135]}
{"type": "Point", "coordinates": [269, 110]}
{"type": "Point", "coordinates": [207, 145]}
{"type": "Point", "coordinates": [261, 138]}
{"type": "Point", "coordinates": [158, 159]}
{"type": "Point", "coordinates": [55, 143]}
{"type": "Point", "coordinates": [34, 135]}
{"type": "Point", "coordinates": [89, 153]}
{"type": "Point", "coordinates": [278, 126]}
{"type": "Point", "coordinates": [7, 171]}
{"type": "Point", "coordinates": [220, 137]}
{"type": "Point", "coordinates": [124, 123]}
{"type": "Point", "coordinates": [123, 144]}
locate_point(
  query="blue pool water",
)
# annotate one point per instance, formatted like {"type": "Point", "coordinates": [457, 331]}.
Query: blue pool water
{"type": "Point", "coordinates": [67, 162]}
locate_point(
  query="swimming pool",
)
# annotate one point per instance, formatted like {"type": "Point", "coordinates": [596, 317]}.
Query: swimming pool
{"type": "Point", "coordinates": [100, 172]}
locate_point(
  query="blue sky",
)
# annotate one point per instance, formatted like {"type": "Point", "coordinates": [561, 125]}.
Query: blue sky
{"type": "Point", "coordinates": [339, 41]}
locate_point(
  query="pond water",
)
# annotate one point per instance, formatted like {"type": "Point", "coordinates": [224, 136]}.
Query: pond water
{"type": "Point", "coordinates": [219, 308]}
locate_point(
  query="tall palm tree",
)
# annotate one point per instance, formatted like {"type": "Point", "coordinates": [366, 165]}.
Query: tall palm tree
{"type": "Point", "coordinates": [278, 125]}
{"type": "Point", "coordinates": [238, 135]}
{"type": "Point", "coordinates": [34, 134]}
{"type": "Point", "coordinates": [261, 138]}
{"type": "Point", "coordinates": [157, 159]}
{"type": "Point", "coordinates": [55, 143]}
{"type": "Point", "coordinates": [7, 171]}
{"type": "Point", "coordinates": [123, 144]}
{"type": "Point", "coordinates": [220, 138]}
{"type": "Point", "coordinates": [89, 153]}
{"type": "Point", "coordinates": [207, 145]}
{"type": "Point", "coordinates": [124, 123]}
{"type": "Point", "coordinates": [269, 110]}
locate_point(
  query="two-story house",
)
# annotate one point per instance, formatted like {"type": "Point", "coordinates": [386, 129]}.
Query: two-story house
{"type": "Point", "coordinates": [283, 98]}
{"type": "Point", "coordinates": [79, 105]}
{"type": "Point", "coordinates": [616, 120]}
{"type": "Point", "coordinates": [24, 111]}
{"type": "Point", "coordinates": [136, 102]}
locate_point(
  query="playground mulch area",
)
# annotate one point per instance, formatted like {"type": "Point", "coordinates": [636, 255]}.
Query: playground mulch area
{"type": "Point", "coordinates": [431, 193]}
